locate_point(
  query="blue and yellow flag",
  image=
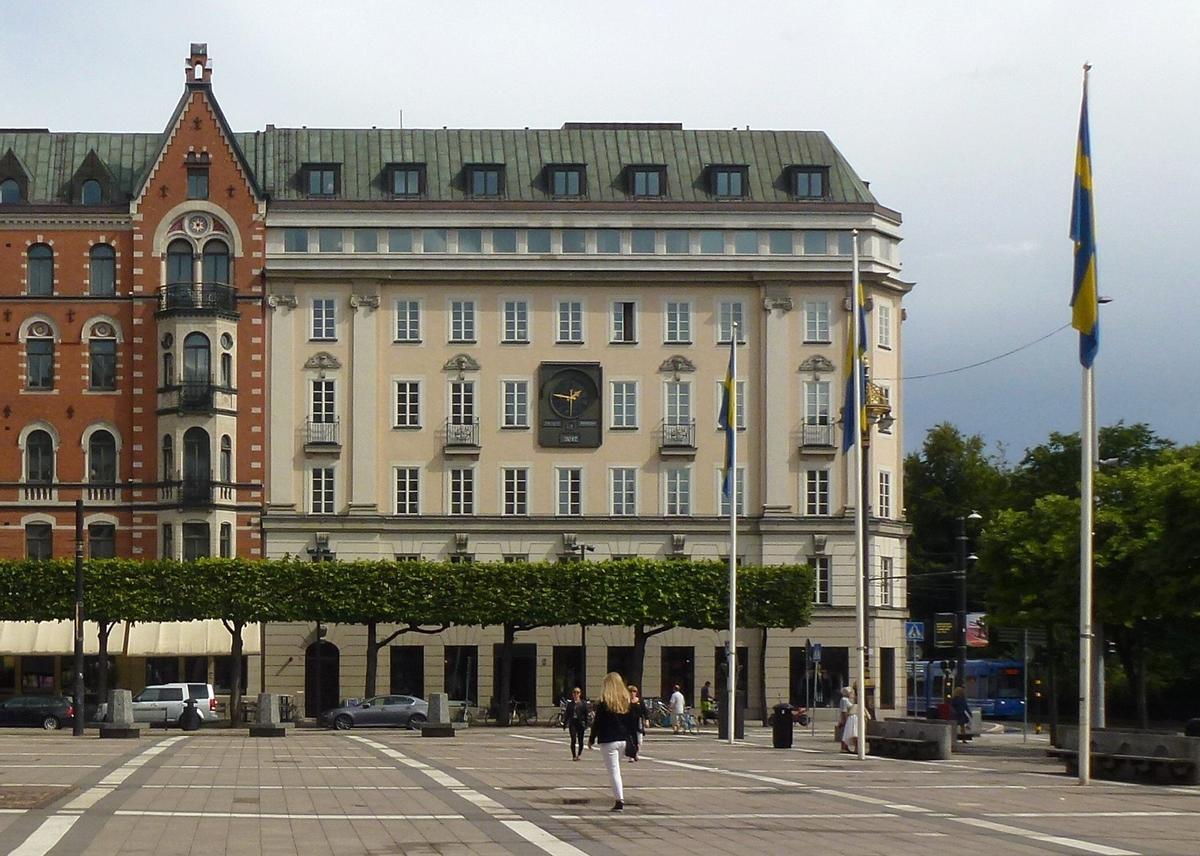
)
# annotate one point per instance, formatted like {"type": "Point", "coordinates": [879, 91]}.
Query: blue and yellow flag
{"type": "Point", "coordinates": [1085, 314]}
{"type": "Point", "coordinates": [853, 421]}
{"type": "Point", "coordinates": [727, 420]}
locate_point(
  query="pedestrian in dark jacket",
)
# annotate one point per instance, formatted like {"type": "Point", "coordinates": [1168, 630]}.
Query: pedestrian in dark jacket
{"type": "Point", "coordinates": [961, 711]}
{"type": "Point", "coordinates": [575, 720]}
{"type": "Point", "coordinates": [609, 729]}
{"type": "Point", "coordinates": [635, 724]}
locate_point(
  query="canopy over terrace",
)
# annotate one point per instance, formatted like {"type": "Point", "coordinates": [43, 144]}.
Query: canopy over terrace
{"type": "Point", "coordinates": [152, 639]}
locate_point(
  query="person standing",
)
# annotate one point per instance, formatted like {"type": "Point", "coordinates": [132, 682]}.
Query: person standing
{"type": "Point", "coordinates": [575, 721]}
{"type": "Point", "coordinates": [706, 702]}
{"type": "Point", "coordinates": [839, 733]}
{"type": "Point", "coordinates": [636, 723]}
{"type": "Point", "coordinates": [610, 731]}
{"type": "Point", "coordinates": [961, 710]}
{"type": "Point", "coordinates": [676, 704]}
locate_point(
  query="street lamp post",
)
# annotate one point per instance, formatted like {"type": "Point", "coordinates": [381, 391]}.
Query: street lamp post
{"type": "Point", "coordinates": [960, 673]}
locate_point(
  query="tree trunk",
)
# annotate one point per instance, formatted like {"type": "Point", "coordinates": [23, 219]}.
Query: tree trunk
{"type": "Point", "coordinates": [1143, 709]}
{"type": "Point", "coordinates": [503, 708]}
{"type": "Point", "coordinates": [762, 678]}
{"type": "Point", "coordinates": [1052, 680]}
{"type": "Point", "coordinates": [372, 659]}
{"type": "Point", "coordinates": [235, 674]}
{"type": "Point", "coordinates": [639, 655]}
{"type": "Point", "coordinates": [103, 628]}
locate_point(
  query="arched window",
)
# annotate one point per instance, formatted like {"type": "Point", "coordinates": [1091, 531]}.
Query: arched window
{"type": "Point", "coordinates": [102, 458]}
{"type": "Point", "coordinates": [40, 273]}
{"type": "Point", "coordinates": [179, 262]}
{"type": "Point", "coordinates": [197, 456]}
{"type": "Point", "coordinates": [216, 262]}
{"type": "Point", "coordinates": [39, 356]}
{"type": "Point", "coordinates": [91, 193]}
{"type": "Point", "coordinates": [168, 457]}
{"type": "Point", "coordinates": [39, 457]}
{"type": "Point", "coordinates": [168, 369]}
{"type": "Point", "coordinates": [197, 365]}
{"type": "Point", "coordinates": [10, 191]}
{"type": "Point", "coordinates": [226, 459]}
{"type": "Point", "coordinates": [227, 371]}
{"type": "Point", "coordinates": [102, 356]}
{"type": "Point", "coordinates": [102, 271]}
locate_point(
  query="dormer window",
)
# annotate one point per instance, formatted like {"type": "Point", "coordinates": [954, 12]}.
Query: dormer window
{"type": "Point", "coordinates": [808, 182]}
{"type": "Point", "coordinates": [567, 180]}
{"type": "Point", "coordinates": [485, 180]}
{"type": "Point", "coordinates": [197, 182]}
{"type": "Point", "coordinates": [90, 193]}
{"type": "Point", "coordinates": [322, 179]}
{"type": "Point", "coordinates": [407, 179]}
{"type": "Point", "coordinates": [647, 182]}
{"type": "Point", "coordinates": [10, 192]}
{"type": "Point", "coordinates": [728, 182]}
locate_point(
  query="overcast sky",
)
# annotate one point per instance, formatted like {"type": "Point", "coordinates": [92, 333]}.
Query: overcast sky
{"type": "Point", "coordinates": [963, 117]}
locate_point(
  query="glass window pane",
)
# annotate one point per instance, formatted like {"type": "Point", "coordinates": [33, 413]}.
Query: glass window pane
{"type": "Point", "coordinates": [845, 244]}
{"type": "Point", "coordinates": [329, 240]}
{"type": "Point", "coordinates": [504, 240]}
{"type": "Point", "coordinates": [102, 271]}
{"type": "Point", "coordinates": [642, 240]}
{"type": "Point", "coordinates": [400, 240]}
{"type": "Point", "coordinates": [816, 243]}
{"type": "Point", "coordinates": [608, 241]}
{"type": "Point", "coordinates": [780, 242]}
{"type": "Point", "coordinates": [574, 241]}
{"type": "Point", "coordinates": [434, 240]}
{"type": "Point", "coordinates": [537, 240]}
{"type": "Point", "coordinates": [470, 240]}
{"type": "Point", "coordinates": [366, 241]}
{"type": "Point", "coordinates": [295, 240]}
{"type": "Point", "coordinates": [745, 242]}
{"type": "Point", "coordinates": [712, 241]}
{"type": "Point", "coordinates": [678, 241]}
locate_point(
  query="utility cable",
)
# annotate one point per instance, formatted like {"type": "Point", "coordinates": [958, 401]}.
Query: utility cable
{"type": "Point", "coordinates": [988, 360]}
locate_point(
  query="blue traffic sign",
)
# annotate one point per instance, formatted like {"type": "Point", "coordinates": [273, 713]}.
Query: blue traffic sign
{"type": "Point", "coordinates": [914, 631]}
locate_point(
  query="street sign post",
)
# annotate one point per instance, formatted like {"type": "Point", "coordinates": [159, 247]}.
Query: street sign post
{"type": "Point", "coordinates": [914, 633]}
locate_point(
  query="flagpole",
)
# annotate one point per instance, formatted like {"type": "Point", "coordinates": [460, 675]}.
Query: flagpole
{"type": "Point", "coordinates": [1086, 504]}
{"type": "Point", "coordinates": [731, 476]}
{"type": "Point", "coordinates": [859, 505]}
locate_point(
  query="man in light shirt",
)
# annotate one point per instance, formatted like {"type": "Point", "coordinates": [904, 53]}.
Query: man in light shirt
{"type": "Point", "coordinates": [675, 703]}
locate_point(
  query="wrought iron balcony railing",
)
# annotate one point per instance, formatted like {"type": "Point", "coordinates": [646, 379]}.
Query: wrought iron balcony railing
{"type": "Point", "coordinates": [197, 297]}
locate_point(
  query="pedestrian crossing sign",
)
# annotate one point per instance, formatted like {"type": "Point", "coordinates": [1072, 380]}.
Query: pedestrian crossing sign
{"type": "Point", "coordinates": [914, 631]}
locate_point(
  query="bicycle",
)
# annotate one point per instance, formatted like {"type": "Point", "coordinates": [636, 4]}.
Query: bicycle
{"type": "Point", "coordinates": [690, 725]}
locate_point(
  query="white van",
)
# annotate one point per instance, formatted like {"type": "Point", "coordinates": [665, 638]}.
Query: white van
{"type": "Point", "coordinates": [166, 702]}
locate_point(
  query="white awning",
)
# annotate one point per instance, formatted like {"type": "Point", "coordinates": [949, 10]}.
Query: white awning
{"type": "Point", "coordinates": [153, 639]}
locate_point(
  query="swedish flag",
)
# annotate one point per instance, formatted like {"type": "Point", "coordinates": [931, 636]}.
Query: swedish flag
{"type": "Point", "coordinates": [727, 421]}
{"type": "Point", "coordinates": [1085, 315]}
{"type": "Point", "coordinates": [852, 419]}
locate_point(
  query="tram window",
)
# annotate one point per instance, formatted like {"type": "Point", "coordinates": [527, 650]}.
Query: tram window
{"type": "Point", "coordinates": [1010, 684]}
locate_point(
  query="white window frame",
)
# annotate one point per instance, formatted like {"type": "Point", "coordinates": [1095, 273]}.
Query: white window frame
{"type": "Point", "coordinates": [823, 494]}
{"type": "Point", "coordinates": [883, 507]}
{"type": "Point", "coordinates": [322, 490]}
{"type": "Point", "coordinates": [322, 400]}
{"type": "Point", "coordinates": [626, 491]}
{"type": "Point", "coordinates": [726, 315]}
{"type": "Point", "coordinates": [515, 322]}
{"type": "Point", "coordinates": [412, 487]}
{"type": "Point", "coordinates": [572, 509]}
{"type": "Point", "coordinates": [677, 492]}
{"type": "Point", "coordinates": [454, 497]}
{"type": "Point", "coordinates": [462, 321]}
{"type": "Point", "coordinates": [677, 322]}
{"type": "Point", "coordinates": [887, 567]}
{"type": "Point", "coordinates": [410, 383]}
{"type": "Point", "coordinates": [675, 394]}
{"type": "Point", "coordinates": [883, 325]}
{"type": "Point", "coordinates": [818, 402]}
{"type": "Point", "coordinates": [508, 505]}
{"type": "Point", "coordinates": [822, 579]}
{"type": "Point", "coordinates": [741, 403]}
{"type": "Point", "coordinates": [739, 488]}
{"type": "Point", "coordinates": [624, 408]}
{"type": "Point", "coordinates": [324, 320]}
{"type": "Point", "coordinates": [616, 322]}
{"type": "Point", "coordinates": [569, 313]}
{"type": "Point", "coordinates": [516, 416]}
{"type": "Point", "coordinates": [460, 394]}
{"type": "Point", "coordinates": [408, 324]}
{"type": "Point", "coordinates": [817, 322]}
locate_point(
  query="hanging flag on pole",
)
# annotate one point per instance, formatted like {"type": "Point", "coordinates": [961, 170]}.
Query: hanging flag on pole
{"type": "Point", "coordinates": [1085, 315]}
{"type": "Point", "coordinates": [727, 421]}
{"type": "Point", "coordinates": [854, 417]}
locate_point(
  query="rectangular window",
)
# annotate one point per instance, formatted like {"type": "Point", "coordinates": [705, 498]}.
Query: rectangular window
{"type": "Point", "coordinates": [624, 321]}
{"type": "Point", "coordinates": [516, 321]}
{"type": "Point", "coordinates": [329, 240]}
{"type": "Point", "coordinates": [408, 404]}
{"type": "Point", "coordinates": [102, 541]}
{"type": "Point", "coordinates": [196, 542]}
{"type": "Point", "coordinates": [323, 319]}
{"type": "Point", "coordinates": [366, 241]}
{"type": "Point", "coordinates": [570, 321]}
{"type": "Point", "coordinates": [884, 508]}
{"type": "Point", "coordinates": [102, 355]}
{"type": "Point", "coordinates": [408, 179]}
{"type": "Point", "coordinates": [779, 242]}
{"type": "Point", "coordinates": [462, 402]}
{"type": "Point", "coordinates": [745, 243]}
{"type": "Point", "coordinates": [39, 541]}
{"type": "Point", "coordinates": [885, 581]}
{"type": "Point", "coordinates": [570, 491]}
{"type": "Point", "coordinates": [642, 241]}
{"type": "Point", "coordinates": [462, 320]}
{"type": "Point", "coordinates": [608, 240]}
{"type": "Point", "coordinates": [679, 402]}
{"type": "Point", "coordinates": [845, 243]}
{"type": "Point", "coordinates": [679, 322]}
{"type": "Point", "coordinates": [168, 541]}
{"type": "Point", "coordinates": [821, 579]}
{"type": "Point", "coordinates": [678, 241]}
{"type": "Point", "coordinates": [470, 240]}
{"type": "Point", "coordinates": [504, 240]}
{"type": "Point", "coordinates": [408, 490]}
{"type": "Point", "coordinates": [728, 182]}
{"type": "Point", "coordinates": [197, 182]}
{"type": "Point", "coordinates": [624, 491]}
{"type": "Point", "coordinates": [39, 357]}
{"type": "Point", "coordinates": [679, 491]}
{"type": "Point", "coordinates": [816, 321]}
{"type": "Point", "coordinates": [567, 180]}
{"type": "Point", "coordinates": [816, 243]}
{"type": "Point", "coordinates": [816, 402]}
{"type": "Point", "coordinates": [712, 241]}
{"type": "Point", "coordinates": [624, 404]}
{"type": "Point", "coordinates": [537, 241]}
{"type": "Point", "coordinates": [225, 543]}
{"type": "Point", "coordinates": [295, 240]}
{"type": "Point", "coordinates": [816, 492]}
{"type": "Point", "coordinates": [408, 321]}
{"type": "Point", "coordinates": [485, 180]}
{"type": "Point", "coordinates": [739, 490]}
{"type": "Point", "coordinates": [808, 183]}
{"type": "Point", "coordinates": [323, 402]}
{"type": "Point", "coordinates": [574, 241]}
{"type": "Point", "coordinates": [433, 240]}
{"type": "Point", "coordinates": [883, 325]}
{"type": "Point", "coordinates": [322, 490]}
{"type": "Point", "coordinates": [516, 404]}
{"type": "Point", "coordinates": [728, 314]}
{"type": "Point", "coordinates": [462, 491]}
{"type": "Point", "coordinates": [321, 179]}
{"type": "Point", "coordinates": [647, 182]}
{"type": "Point", "coordinates": [400, 240]}
{"type": "Point", "coordinates": [516, 491]}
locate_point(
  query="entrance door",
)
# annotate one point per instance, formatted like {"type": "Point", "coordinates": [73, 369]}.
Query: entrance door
{"type": "Point", "coordinates": [523, 685]}
{"type": "Point", "coordinates": [326, 663]}
{"type": "Point", "coordinates": [567, 671]}
{"type": "Point", "coordinates": [678, 667]}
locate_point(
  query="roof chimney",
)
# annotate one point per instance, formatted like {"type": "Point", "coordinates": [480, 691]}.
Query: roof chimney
{"type": "Point", "coordinates": [199, 68]}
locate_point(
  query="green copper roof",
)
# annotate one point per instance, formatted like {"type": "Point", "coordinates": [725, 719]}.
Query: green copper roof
{"type": "Point", "coordinates": [52, 159]}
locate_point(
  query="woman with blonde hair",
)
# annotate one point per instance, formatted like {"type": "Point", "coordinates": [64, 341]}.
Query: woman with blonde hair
{"type": "Point", "coordinates": [610, 730]}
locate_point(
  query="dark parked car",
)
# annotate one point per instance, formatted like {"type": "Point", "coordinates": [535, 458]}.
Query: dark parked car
{"type": "Point", "coordinates": [48, 712]}
{"type": "Point", "coordinates": [393, 710]}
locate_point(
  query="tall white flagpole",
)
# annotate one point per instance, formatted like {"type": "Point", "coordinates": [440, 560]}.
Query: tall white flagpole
{"type": "Point", "coordinates": [731, 657]}
{"type": "Point", "coordinates": [1086, 504]}
{"type": "Point", "coordinates": [859, 505]}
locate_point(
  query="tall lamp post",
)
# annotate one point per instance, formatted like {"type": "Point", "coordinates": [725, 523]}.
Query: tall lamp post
{"type": "Point", "coordinates": [582, 550]}
{"type": "Point", "coordinates": [960, 672]}
{"type": "Point", "coordinates": [879, 413]}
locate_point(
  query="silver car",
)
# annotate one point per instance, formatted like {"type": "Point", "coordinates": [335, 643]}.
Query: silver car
{"type": "Point", "coordinates": [378, 711]}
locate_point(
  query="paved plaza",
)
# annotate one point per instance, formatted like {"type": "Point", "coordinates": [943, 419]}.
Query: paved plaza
{"type": "Point", "coordinates": [491, 791]}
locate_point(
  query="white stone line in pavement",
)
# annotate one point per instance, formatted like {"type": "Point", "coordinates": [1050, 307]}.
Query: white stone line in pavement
{"type": "Point", "coordinates": [255, 815]}
{"type": "Point", "coordinates": [292, 787]}
{"type": "Point", "coordinates": [1134, 813]}
{"type": "Point", "coordinates": [531, 832]}
{"type": "Point", "coordinates": [53, 766]}
{"type": "Point", "coordinates": [42, 839]}
{"type": "Point", "coordinates": [641, 815]}
{"type": "Point", "coordinates": [87, 799]}
{"type": "Point", "coordinates": [13, 810]}
{"type": "Point", "coordinates": [1072, 843]}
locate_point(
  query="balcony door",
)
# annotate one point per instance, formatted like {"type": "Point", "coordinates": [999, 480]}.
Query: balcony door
{"type": "Point", "coordinates": [197, 360]}
{"type": "Point", "coordinates": [197, 456]}
{"type": "Point", "coordinates": [179, 263]}
{"type": "Point", "coordinates": [462, 402]}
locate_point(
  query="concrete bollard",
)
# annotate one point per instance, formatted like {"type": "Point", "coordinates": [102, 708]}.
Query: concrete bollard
{"type": "Point", "coordinates": [270, 723]}
{"type": "Point", "coordinates": [438, 723]}
{"type": "Point", "coordinates": [120, 724]}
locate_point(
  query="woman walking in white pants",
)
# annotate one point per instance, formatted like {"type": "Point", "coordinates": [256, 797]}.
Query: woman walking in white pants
{"type": "Point", "coordinates": [610, 731]}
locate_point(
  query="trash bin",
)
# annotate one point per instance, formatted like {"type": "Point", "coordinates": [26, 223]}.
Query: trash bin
{"type": "Point", "coordinates": [189, 720]}
{"type": "Point", "coordinates": [781, 729]}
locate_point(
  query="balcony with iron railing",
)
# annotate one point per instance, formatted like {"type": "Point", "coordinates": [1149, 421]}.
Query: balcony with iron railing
{"type": "Point", "coordinates": [678, 438]}
{"type": "Point", "coordinates": [322, 437]}
{"type": "Point", "coordinates": [194, 396]}
{"type": "Point", "coordinates": [197, 297]}
{"type": "Point", "coordinates": [818, 439]}
{"type": "Point", "coordinates": [462, 436]}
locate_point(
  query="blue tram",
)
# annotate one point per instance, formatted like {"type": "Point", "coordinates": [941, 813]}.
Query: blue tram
{"type": "Point", "coordinates": [994, 687]}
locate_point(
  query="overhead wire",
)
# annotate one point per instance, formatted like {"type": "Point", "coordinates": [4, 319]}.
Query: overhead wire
{"type": "Point", "coordinates": [976, 365]}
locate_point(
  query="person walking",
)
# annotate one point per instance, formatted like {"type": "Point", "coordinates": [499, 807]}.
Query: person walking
{"type": "Point", "coordinates": [706, 702]}
{"type": "Point", "coordinates": [676, 705]}
{"type": "Point", "coordinates": [609, 729]}
{"type": "Point", "coordinates": [839, 733]}
{"type": "Point", "coordinates": [962, 711]}
{"type": "Point", "coordinates": [636, 723]}
{"type": "Point", "coordinates": [575, 721]}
